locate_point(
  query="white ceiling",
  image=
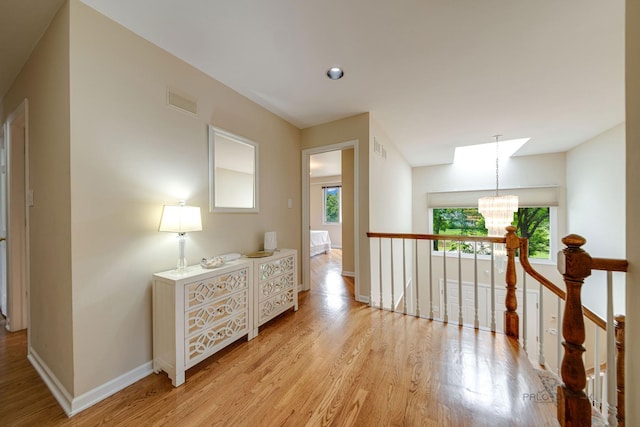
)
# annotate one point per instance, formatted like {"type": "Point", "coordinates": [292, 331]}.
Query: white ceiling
{"type": "Point", "coordinates": [435, 74]}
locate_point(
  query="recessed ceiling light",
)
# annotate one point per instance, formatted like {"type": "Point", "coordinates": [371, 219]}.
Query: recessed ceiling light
{"type": "Point", "coordinates": [335, 73]}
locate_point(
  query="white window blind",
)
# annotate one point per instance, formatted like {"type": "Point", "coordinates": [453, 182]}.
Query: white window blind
{"type": "Point", "coordinates": [527, 197]}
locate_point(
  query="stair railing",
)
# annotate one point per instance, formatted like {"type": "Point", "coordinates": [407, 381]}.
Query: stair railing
{"type": "Point", "coordinates": [399, 262]}
{"type": "Point", "coordinates": [398, 284]}
{"type": "Point", "coordinates": [604, 388]}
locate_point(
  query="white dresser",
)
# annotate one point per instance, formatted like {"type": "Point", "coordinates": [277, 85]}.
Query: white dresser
{"type": "Point", "coordinates": [275, 287]}
{"type": "Point", "coordinates": [198, 312]}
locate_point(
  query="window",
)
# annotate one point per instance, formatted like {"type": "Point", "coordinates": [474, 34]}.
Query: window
{"type": "Point", "coordinates": [332, 204]}
{"type": "Point", "coordinates": [533, 223]}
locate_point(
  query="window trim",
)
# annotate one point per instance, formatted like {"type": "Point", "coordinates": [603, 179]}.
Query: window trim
{"type": "Point", "coordinates": [553, 237]}
{"type": "Point", "coordinates": [324, 204]}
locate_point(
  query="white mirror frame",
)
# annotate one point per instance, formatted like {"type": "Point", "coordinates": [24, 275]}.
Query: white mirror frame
{"type": "Point", "coordinates": [213, 132]}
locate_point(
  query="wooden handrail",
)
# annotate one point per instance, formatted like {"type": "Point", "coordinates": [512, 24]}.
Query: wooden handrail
{"type": "Point", "coordinates": [524, 261]}
{"type": "Point", "coordinates": [574, 408]}
{"type": "Point", "coordinates": [456, 238]}
{"type": "Point", "coordinates": [608, 264]}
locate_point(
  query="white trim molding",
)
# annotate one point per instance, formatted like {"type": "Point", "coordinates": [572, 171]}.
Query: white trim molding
{"type": "Point", "coordinates": [306, 153]}
{"type": "Point", "coordinates": [55, 386]}
{"type": "Point", "coordinates": [73, 405]}
{"type": "Point", "coordinates": [109, 388]}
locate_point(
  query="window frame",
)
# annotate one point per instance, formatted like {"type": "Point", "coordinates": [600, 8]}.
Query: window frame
{"type": "Point", "coordinates": [553, 236]}
{"type": "Point", "coordinates": [325, 189]}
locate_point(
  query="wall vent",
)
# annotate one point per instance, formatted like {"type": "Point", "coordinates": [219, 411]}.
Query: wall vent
{"type": "Point", "coordinates": [182, 102]}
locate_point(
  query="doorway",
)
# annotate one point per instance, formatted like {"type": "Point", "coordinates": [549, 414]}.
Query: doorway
{"type": "Point", "coordinates": [330, 220]}
{"type": "Point", "coordinates": [14, 220]}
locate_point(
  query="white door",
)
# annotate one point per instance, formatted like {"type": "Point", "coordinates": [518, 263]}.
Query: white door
{"type": "Point", "coordinates": [15, 206]}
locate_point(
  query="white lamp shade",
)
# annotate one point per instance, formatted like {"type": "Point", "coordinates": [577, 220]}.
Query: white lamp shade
{"type": "Point", "coordinates": [180, 219]}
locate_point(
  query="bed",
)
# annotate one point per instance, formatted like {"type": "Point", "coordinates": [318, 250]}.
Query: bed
{"type": "Point", "coordinates": [320, 242]}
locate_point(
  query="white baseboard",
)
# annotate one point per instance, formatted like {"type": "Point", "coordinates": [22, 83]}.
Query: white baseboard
{"type": "Point", "coordinates": [348, 273]}
{"type": "Point", "coordinates": [362, 298]}
{"type": "Point", "coordinates": [105, 390]}
{"type": "Point", "coordinates": [336, 246]}
{"type": "Point", "coordinates": [55, 386]}
{"type": "Point", "coordinates": [73, 405]}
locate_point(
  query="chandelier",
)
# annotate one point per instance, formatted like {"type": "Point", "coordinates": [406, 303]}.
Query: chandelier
{"type": "Point", "coordinates": [498, 214]}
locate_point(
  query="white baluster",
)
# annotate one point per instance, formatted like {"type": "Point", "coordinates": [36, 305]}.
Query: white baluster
{"type": "Point", "coordinates": [524, 313]}
{"type": "Point", "coordinates": [431, 278]}
{"type": "Point", "coordinates": [493, 290]}
{"type": "Point", "coordinates": [417, 286]}
{"type": "Point", "coordinates": [460, 320]}
{"type": "Point", "coordinates": [559, 337]}
{"type": "Point", "coordinates": [393, 284]}
{"type": "Point", "coordinates": [596, 369]}
{"type": "Point", "coordinates": [612, 395]}
{"type": "Point", "coordinates": [380, 270]}
{"type": "Point", "coordinates": [476, 321]}
{"type": "Point", "coordinates": [541, 327]}
{"type": "Point", "coordinates": [445, 317]}
{"type": "Point", "coordinates": [404, 278]}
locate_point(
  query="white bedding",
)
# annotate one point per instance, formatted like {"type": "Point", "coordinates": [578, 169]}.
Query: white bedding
{"type": "Point", "coordinates": [320, 242]}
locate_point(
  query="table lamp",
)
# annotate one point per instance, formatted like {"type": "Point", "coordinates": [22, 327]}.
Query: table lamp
{"type": "Point", "coordinates": [180, 219]}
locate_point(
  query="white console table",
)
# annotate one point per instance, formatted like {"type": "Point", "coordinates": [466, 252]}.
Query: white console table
{"type": "Point", "coordinates": [275, 287]}
{"type": "Point", "coordinates": [197, 312]}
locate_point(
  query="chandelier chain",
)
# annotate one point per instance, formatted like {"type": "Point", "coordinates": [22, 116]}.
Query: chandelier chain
{"type": "Point", "coordinates": [497, 164]}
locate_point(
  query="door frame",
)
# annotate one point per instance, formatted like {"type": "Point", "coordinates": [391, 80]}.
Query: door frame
{"type": "Point", "coordinates": [18, 312]}
{"type": "Point", "coordinates": [306, 154]}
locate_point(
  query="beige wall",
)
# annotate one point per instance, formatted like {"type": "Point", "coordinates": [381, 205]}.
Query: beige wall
{"type": "Point", "coordinates": [390, 186]}
{"type": "Point", "coordinates": [597, 167]}
{"type": "Point", "coordinates": [348, 260]}
{"type": "Point", "coordinates": [130, 154]}
{"type": "Point", "coordinates": [633, 207]}
{"type": "Point", "coordinates": [44, 80]}
{"type": "Point", "coordinates": [350, 129]}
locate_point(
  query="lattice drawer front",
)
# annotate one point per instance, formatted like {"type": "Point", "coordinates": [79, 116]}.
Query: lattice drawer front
{"type": "Point", "coordinates": [277, 267]}
{"type": "Point", "coordinates": [272, 287]}
{"type": "Point", "coordinates": [205, 316]}
{"type": "Point", "coordinates": [276, 305]}
{"type": "Point", "coordinates": [204, 291]}
{"type": "Point", "coordinates": [204, 342]}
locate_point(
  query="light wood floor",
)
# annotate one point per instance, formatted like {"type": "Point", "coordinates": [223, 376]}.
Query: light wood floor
{"type": "Point", "coordinates": [334, 362]}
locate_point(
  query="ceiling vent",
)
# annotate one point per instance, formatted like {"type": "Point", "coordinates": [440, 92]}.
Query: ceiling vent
{"type": "Point", "coordinates": [182, 103]}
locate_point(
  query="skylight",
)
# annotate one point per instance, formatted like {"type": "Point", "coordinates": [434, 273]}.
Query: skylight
{"type": "Point", "coordinates": [482, 153]}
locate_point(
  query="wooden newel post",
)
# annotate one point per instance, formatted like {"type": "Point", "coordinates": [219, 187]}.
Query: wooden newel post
{"type": "Point", "coordinates": [511, 320]}
{"type": "Point", "coordinates": [574, 408]}
{"type": "Point", "coordinates": [620, 367]}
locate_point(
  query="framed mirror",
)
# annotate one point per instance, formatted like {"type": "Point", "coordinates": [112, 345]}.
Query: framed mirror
{"type": "Point", "coordinates": [233, 172]}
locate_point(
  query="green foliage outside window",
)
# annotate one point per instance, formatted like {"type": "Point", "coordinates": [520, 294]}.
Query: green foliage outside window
{"type": "Point", "coordinates": [332, 205]}
{"type": "Point", "coordinates": [532, 223]}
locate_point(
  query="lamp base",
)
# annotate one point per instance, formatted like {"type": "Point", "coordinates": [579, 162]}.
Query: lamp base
{"type": "Point", "coordinates": [182, 264]}
{"type": "Point", "coordinates": [182, 260]}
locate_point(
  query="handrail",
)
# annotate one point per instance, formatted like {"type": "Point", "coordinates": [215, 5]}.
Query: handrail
{"type": "Point", "coordinates": [575, 265]}
{"type": "Point", "coordinates": [456, 238]}
{"type": "Point", "coordinates": [524, 261]}
{"type": "Point", "coordinates": [609, 264]}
